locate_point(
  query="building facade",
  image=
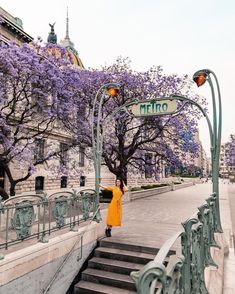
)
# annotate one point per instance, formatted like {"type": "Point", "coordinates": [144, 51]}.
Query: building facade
{"type": "Point", "coordinates": [11, 29]}
{"type": "Point", "coordinates": [227, 159]}
{"type": "Point", "coordinates": [224, 168]}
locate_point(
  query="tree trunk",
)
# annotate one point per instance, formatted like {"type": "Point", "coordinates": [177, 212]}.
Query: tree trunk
{"type": "Point", "coordinates": [122, 174]}
{"type": "Point", "coordinates": [3, 194]}
{"type": "Point", "coordinates": [10, 178]}
{"type": "Point", "coordinates": [12, 188]}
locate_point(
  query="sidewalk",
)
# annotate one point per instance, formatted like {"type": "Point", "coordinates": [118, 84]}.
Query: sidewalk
{"type": "Point", "coordinates": [229, 266]}
{"type": "Point", "coordinates": [153, 220]}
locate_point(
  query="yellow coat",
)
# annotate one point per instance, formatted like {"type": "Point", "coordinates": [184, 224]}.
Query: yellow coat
{"type": "Point", "coordinates": [114, 217]}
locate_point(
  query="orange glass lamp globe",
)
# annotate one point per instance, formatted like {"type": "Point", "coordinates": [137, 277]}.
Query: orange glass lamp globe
{"type": "Point", "coordinates": [200, 79]}
{"type": "Point", "coordinates": [113, 92]}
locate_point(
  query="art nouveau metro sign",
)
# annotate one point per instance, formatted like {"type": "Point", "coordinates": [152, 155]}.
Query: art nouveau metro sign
{"type": "Point", "coordinates": [154, 107]}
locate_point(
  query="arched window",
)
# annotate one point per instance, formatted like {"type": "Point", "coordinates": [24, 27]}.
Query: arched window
{"type": "Point", "coordinates": [39, 184]}
{"type": "Point", "coordinates": [63, 182]}
{"type": "Point", "coordinates": [82, 181]}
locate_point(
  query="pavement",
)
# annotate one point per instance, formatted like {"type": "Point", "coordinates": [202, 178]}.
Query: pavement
{"type": "Point", "coordinates": [153, 220]}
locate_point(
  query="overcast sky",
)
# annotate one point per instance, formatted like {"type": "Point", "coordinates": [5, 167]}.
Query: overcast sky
{"type": "Point", "coordinates": [182, 36]}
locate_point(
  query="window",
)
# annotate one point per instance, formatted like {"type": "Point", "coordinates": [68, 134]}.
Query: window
{"type": "Point", "coordinates": [39, 149]}
{"type": "Point", "coordinates": [39, 184]}
{"type": "Point", "coordinates": [63, 182]}
{"type": "Point", "coordinates": [81, 156]}
{"type": "Point", "coordinates": [82, 181]}
{"type": "Point", "coordinates": [63, 154]}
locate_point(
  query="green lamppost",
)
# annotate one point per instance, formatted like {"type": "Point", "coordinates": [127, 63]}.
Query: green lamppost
{"type": "Point", "coordinates": [200, 77]}
{"type": "Point", "coordinates": [98, 127]}
{"type": "Point", "coordinates": [110, 89]}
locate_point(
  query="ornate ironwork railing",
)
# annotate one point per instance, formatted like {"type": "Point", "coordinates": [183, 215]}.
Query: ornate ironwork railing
{"type": "Point", "coordinates": [35, 216]}
{"type": "Point", "coordinates": [184, 272]}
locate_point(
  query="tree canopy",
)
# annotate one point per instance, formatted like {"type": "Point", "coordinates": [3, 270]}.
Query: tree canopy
{"type": "Point", "coordinates": [42, 94]}
{"type": "Point", "coordinates": [138, 143]}
{"type": "Point", "coordinates": [35, 92]}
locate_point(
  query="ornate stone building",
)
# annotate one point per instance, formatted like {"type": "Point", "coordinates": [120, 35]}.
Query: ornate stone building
{"type": "Point", "coordinates": [43, 179]}
{"type": "Point", "coordinates": [12, 29]}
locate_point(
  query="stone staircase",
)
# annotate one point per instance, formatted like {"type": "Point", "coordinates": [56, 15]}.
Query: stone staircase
{"type": "Point", "coordinates": [108, 271]}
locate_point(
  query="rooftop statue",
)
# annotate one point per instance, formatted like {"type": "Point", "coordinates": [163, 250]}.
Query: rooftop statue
{"type": "Point", "coordinates": [52, 37]}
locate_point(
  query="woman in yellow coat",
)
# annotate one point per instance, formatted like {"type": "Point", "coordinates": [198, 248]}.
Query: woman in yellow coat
{"type": "Point", "coordinates": [114, 218]}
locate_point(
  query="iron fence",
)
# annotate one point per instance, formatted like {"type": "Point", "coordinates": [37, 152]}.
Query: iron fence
{"type": "Point", "coordinates": [37, 216]}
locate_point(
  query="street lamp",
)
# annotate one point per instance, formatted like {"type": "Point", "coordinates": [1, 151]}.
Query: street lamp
{"type": "Point", "coordinates": [112, 90]}
{"type": "Point", "coordinates": [200, 77]}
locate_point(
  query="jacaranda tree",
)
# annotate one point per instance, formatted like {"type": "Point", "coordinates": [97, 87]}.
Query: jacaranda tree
{"type": "Point", "coordinates": [35, 95]}
{"type": "Point", "coordinates": [230, 155]}
{"type": "Point", "coordinates": [143, 143]}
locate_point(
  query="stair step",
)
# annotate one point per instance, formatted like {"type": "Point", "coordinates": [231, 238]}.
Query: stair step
{"type": "Point", "coordinates": [112, 243]}
{"type": "Point", "coordinates": [124, 255]}
{"type": "Point", "coordinates": [116, 266]}
{"type": "Point", "coordinates": [108, 278]}
{"type": "Point", "coordinates": [84, 287]}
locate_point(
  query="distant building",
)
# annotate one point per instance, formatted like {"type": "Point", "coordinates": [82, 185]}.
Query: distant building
{"type": "Point", "coordinates": [227, 158]}
{"type": "Point", "coordinates": [224, 168]}
{"type": "Point", "coordinates": [11, 28]}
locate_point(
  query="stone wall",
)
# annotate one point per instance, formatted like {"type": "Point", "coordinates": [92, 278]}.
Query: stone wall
{"type": "Point", "coordinates": [214, 276]}
{"type": "Point", "coordinates": [31, 269]}
{"type": "Point", "coordinates": [134, 195]}
{"type": "Point", "coordinates": [147, 193]}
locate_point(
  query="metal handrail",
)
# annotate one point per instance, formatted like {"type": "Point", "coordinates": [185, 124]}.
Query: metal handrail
{"type": "Point", "coordinates": [69, 254]}
{"type": "Point", "coordinates": [165, 249]}
{"type": "Point", "coordinates": [185, 271]}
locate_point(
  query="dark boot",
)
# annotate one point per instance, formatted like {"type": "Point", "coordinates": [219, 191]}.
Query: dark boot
{"type": "Point", "coordinates": [108, 232]}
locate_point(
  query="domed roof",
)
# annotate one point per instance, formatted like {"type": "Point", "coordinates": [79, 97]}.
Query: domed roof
{"type": "Point", "coordinates": [70, 56]}
{"type": "Point", "coordinates": [67, 44]}
{"type": "Point", "coordinates": [76, 60]}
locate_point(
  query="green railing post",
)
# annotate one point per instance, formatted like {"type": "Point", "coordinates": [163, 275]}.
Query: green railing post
{"type": "Point", "coordinates": [186, 243]}
{"type": "Point", "coordinates": [73, 203]}
{"type": "Point", "coordinates": [44, 205]}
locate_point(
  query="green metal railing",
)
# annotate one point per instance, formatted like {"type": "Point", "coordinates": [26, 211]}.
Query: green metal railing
{"type": "Point", "coordinates": [184, 272]}
{"type": "Point", "coordinates": [37, 216]}
{"type": "Point", "coordinates": [67, 258]}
